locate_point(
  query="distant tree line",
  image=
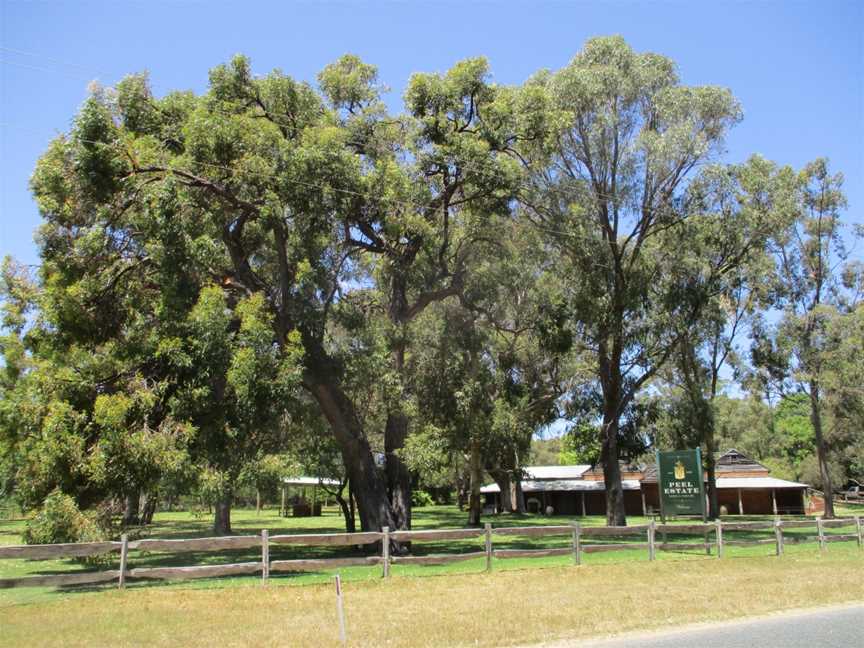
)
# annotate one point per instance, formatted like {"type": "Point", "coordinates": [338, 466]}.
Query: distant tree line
{"type": "Point", "coordinates": [278, 278]}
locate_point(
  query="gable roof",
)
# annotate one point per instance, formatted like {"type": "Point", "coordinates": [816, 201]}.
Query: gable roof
{"type": "Point", "coordinates": [734, 460]}
{"type": "Point", "coordinates": [731, 461]}
{"type": "Point", "coordinates": [555, 472]}
{"type": "Point", "coordinates": [561, 485]}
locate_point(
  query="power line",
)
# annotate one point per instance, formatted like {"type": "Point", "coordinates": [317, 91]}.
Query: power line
{"type": "Point", "coordinates": [49, 70]}
{"type": "Point", "coordinates": [11, 50]}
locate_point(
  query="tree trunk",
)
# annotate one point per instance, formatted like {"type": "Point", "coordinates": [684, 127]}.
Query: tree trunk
{"type": "Point", "coordinates": [369, 488]}
{"type": "Point", "coordinates": [516, 494]}
{"type": "Point", "coordinates": [347, 509]}
{"type": "Point", "coordinates": [398, 477]}
{"type": "Point", "coordinates": [257, 501]}
{"type": "Point", "coordinates": [615, 511]}
{"type": "Point", "coordinates": [711, 469]}
{"type": "Point", "coordinates": [222, 518]}
{"type": "Point", "coordinates": [131, 506]}
{"type": "Point", "coordinates": [395, 433]}
{"type": "Point", "coordinates": [462, 491]}
{"type": "Point", "coordinates": [149, 510]}
{"type": "Point", "coordinates": [821, 449]}
{"type": "Point", "coordinates": [475, 504]}
{"type": "Point", "coordinates": [352, 504]}
{"type": "Point", "coordinates": [612, 385]}
{"type": "Point", "coordinates": [511, 497]}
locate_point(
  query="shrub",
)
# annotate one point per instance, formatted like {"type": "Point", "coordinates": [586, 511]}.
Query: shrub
{"type": "Point", "coordinates": [60, 520]}
{"type": "Point", "coordinates": [421, 498]}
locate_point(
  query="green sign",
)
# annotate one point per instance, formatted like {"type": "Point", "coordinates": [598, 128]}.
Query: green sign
{"type": "Point", "coordinates": [679, 476]}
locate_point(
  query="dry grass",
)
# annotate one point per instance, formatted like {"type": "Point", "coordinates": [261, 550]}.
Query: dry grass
{"type": "Point", "coordinates": [503, 608]}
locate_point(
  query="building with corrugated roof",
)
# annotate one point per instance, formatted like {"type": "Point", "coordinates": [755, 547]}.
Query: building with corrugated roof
{"type": "Point", "coordinates": [744, 486]}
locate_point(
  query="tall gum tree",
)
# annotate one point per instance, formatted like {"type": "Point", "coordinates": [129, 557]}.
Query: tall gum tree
{"type": "Point", "coordinates": [446, 181]}
{"type": "Point", "coordinates": [251, 176]}
{"type": "Point", "coordinates": [608, 188]}
{"type": "Point", "coordinates": [754, 192]}
{"type": "Point", "coordinates": [815, 279]}
{"type": "Point", "coordinates": [283, 191]}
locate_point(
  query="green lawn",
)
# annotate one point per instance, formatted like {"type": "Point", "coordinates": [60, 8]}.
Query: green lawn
{"type": "Point", "coordinates": [182, 524]}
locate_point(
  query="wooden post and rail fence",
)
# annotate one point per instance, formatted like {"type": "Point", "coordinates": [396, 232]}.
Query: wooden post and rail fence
{"type": "Point", "coordinates": [578, 546]}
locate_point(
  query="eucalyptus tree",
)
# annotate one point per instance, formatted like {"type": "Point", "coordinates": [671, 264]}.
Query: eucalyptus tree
{"type": "Point", "coordinates": [816, 280]}
{"type": "Point", "coordinates": [487, 369]}
{"type": "Point", "coordinates": [755, 191]}
{"type": "Point", "coordinates": [275, 191]}
{"type": "Point", "coordinates": [609, 189]}
{"type": "Point", "coordinates": [86, 418]}
{"type": "Point", "coordinates": [457, 129]}
{"type": "Point", "coordinates": [844, 390]}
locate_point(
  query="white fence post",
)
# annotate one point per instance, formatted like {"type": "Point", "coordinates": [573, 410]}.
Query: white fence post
{"type": "Point", "coordinates": [651, 533]}
{"type": "Point", "coordinates": [821, 532]}
{"type": "Point", "coordinates": [860, 530]}
{"type": "Point", "coordinates": [577, 543]}
{"type": "Point", "coordinates": [124, 559]}
{"type": "Point", "coordinates": [718, 536]}
{"type": "Point", "coordinates": [487, 533]}
{"type": "Point", "coordinates": [778, 535]}
{"type": "Point", "coordinates": [265, 555]}
{"type": "Point", "coordinates": [385, 552]}
{"type": "Point", "coordinates": [340, 611]}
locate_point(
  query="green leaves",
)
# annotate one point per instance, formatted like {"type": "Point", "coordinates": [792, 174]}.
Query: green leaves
{"type": "Point", "coordinates": [349, 83]}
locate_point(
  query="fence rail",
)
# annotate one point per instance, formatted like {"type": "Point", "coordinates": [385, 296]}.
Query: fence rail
{"type": "Point", "coordinates": [266, 566]}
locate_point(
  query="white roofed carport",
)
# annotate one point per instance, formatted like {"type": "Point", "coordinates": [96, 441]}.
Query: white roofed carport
{"type": "Point", "coordinates": [303, 482]}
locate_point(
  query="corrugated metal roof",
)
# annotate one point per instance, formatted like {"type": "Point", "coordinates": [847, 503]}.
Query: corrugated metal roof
{"type": "Point", "coordinates": [555, 472]}
{"type": "Point", "coordinates": [309, 481]}
{"type": "Point", "coordinates": [553, 485]}
{"type": "Point", "coordinates": [756, 482]}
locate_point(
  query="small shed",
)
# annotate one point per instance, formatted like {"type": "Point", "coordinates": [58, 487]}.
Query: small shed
{"type": "Point", "coordinates": [303, 506]}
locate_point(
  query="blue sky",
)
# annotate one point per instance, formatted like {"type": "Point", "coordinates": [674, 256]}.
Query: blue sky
{"type": "Point", "coordinates": [796, 67]}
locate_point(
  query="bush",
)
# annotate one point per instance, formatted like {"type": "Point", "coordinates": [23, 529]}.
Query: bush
{"type": "Point", "coordinates": [60, 520]}
{"type": "Point", "coordinates": [421, 498]}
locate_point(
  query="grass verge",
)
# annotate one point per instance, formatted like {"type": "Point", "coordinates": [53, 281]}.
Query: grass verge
{"type": "Point", "coordinates": [502, 608]}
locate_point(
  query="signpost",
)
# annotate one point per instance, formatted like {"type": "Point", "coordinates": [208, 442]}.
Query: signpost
{"type": "Point", "coordinates": [682, 488]}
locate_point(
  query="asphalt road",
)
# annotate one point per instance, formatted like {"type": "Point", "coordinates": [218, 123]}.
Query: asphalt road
{"type": "Point", "coordinates": [835, 627]}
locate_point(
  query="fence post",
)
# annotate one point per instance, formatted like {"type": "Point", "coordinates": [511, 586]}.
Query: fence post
{"type": "Point", "coordinates": [577, 543]}
{"type": "Point", "coordinates": [778, 535]}
{"type": "Point", "coordinates": [718, 536]}
{"type": "Point", "coordinates": [821, 532]}
{"type": "Point", "coordinates": [265, 555]}
{"type": "Point", "coordinates": [707, 542]}
{"type": "Point", "coordinates": [385, 552]}
{"type": "Point", "coordinates": [124, 559]}
{"type": "Point", "coordinates": [340, 611]}
{"type": "Point", "coordinates": [488, 545]}
{"type": "Point", "coordinates": [651, 532]}
{"type": "Point", "coordinates": [860, 531]}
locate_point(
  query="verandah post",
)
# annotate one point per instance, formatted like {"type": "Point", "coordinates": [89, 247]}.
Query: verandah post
{"type": "Point", "coordinates": [124, 559]}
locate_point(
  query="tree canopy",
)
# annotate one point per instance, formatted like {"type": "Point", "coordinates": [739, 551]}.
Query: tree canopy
{"type": "Point", "coordinates": [275, 275]}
